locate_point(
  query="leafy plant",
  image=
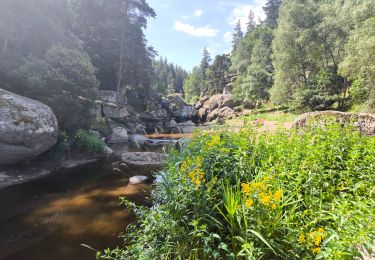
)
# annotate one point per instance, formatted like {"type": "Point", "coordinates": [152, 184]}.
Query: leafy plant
{"type": "Point", "coordinates": [259, 195]}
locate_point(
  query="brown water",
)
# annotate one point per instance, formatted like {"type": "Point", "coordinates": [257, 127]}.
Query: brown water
{"type": "Point", "coordinates": [51, 218]}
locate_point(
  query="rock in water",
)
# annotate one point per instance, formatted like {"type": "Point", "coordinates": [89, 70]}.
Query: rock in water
{"type": "Point", "coordinates": [137, 179]}
{"type": "Point", "coordinates": [143, 162]}
{"type": "Point", "coordinates": [27, 128]}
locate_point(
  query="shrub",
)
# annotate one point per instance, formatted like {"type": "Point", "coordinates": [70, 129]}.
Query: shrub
{"type": "Point", "coordinates": [86, 142]}
{"type": "Point", "coordinates": [258, 195]}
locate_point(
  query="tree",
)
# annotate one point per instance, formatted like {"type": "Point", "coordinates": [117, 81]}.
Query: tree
{"type": "Point", "coordinates": [308, 47]}
{"type": "Point", "coordinates": [359, 63]}
{"type": "Point", "coordinates": [205, 63]}
{"type": "Point", "coordinates": [217, 74]}
{"type": "Point", "coordinates": [112, 32]}
{"type": "Point", "coordinates": [237, 35]}
{"type": "Point", "coordinates": [271, 10]}
{"type": "Point", "coordinates": [192, 85]}
{"type": "Point", "coordinates": [65, 80]}
{"type": "Point", "coordinates": [251, 24]}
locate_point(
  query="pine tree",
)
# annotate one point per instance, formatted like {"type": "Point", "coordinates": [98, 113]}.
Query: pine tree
{"type": "Point", "coordinates": [251, 24]}
{"type": "Point", "coordinates": [271, 9]}
{"type": "Point", "coordinates": [237, 35]}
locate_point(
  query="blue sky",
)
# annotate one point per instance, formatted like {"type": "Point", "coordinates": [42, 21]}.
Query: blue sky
{"type": "Point", "coordinates": [183, 28]}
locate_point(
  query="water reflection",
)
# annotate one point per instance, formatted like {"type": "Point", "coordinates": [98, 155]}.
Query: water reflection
{"type": "Point", "coordinates": [53, 225]}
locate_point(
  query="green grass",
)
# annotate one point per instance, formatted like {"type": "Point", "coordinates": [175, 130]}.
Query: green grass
{"type": "Point", "coordinates": [260, 195]}
{"type": "Point", "coordinates": [279, 117]}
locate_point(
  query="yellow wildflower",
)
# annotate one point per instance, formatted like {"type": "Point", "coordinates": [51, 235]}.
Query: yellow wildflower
{"type": "Point", "coordinates": [249, 203]}
{"type": "Point", "coordinates": [273, 206]}
{"type": "Point", "coordinates": [321, 230]}
{"type": "Point", "coordinates": [192, 175]}
{"type": "Point", "coordinates": [318, 240]}
{"type": "Point", "coordinates": [264, 198]}
{"type": "Point", "coordinates": [245, 187]}
{"type": "Point", "coordinates": [301, 238]}
{"type": "Point", "coordinates": [316, 250]}
{"type": "Point", "coordinates": [278, 195]}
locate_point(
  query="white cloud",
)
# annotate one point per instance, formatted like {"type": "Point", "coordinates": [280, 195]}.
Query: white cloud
{"type": "Point", "coordinates": [241, 12]}
{"type": "Point", "coordinates": [205, 31]}
{"type": "Point", "coordinates": [198, 13]}
{"type": "Point", "coordinates": [228, 36]}
{"type": "Point", "coordinates": [184, 17]}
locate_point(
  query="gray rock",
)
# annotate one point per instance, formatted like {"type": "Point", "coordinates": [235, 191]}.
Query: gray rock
{"type": "Point", "coordinates": [138, 179]}
{"type": "Point", "coordinates": [108, 151]}
{"type": "Point", "coordinates": [213, 115]}
{"type": "Point", "coordinates": [178, 107]}
{"type": "Point", "coordinates": [364, 122]}
{"type": "Point", "coordinates": [113, 111]}
{"type": "Point", "coordinates": [27, 128]}
{"type": "Point", "coordinates": [221, 113]}
{"type": "Point", "coordinates": [119, 135]}
{"type": "Point", "coordinates": [114, 97]}
{"type": "Point", "coordinates": [186, 127]}
{"type": "Point", "coordinates": [144, 162]}
{"type": "Point", "coordinates": [220, 101]}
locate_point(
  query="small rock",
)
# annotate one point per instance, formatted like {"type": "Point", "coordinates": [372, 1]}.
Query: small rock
{"type": "Point", "coordinates": [137, 179]}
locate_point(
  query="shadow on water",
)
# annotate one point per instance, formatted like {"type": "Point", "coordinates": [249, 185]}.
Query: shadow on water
{"type": "Point", "coordinates": [51, 217]}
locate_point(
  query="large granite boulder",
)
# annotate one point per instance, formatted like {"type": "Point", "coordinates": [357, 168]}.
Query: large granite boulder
{"type": "Point", "coordinates": [364, 122]}
{"type": "Point", "coordinates": [27, 128]}
{"type": "Point", "coordinates": [220, 101]}
{"type": "Point", "coordinates": [222, 113]}
{"type": "Point", "coordinates": [178, 108]}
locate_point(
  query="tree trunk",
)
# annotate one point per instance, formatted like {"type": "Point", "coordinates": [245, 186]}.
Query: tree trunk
{"type": "Point", "coordinates": [121, 61]}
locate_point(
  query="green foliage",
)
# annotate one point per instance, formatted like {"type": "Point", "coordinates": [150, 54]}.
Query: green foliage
{"type": "Point", "coordinates": [65, 80]}
{"type": "Point", "coordinates": [359, 65]}
{"type": "Point", "coordinates": [257, 195]}
{"type": "Point", "coordinates": [86, 142]}
{"type": "Point", "coordinates": [168, 78]}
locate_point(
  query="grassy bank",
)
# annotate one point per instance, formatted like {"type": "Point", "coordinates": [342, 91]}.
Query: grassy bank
{"type": "Point", "coordinates": [261, 195]}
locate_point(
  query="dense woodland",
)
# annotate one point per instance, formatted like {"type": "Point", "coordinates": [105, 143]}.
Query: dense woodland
{"type": "Point", "coordinates": [311, 55]}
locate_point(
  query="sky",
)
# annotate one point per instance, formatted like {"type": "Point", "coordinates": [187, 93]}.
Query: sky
{"type": "Point", "coordinates": [182, 28]}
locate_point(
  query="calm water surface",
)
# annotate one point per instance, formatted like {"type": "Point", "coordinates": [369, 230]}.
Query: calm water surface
{"type": "Point", "coordinates": [51, 218]}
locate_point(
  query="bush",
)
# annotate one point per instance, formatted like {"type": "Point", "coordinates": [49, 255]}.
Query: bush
{"type": "Point", "coordinates": [253, 195]}
{"type": "Point", "coordinates": [86, 142]}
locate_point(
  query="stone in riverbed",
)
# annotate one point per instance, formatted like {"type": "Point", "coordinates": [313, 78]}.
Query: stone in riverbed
{"type": "Point", "coordinates": [138, 179]}
{"type": "Point", "coordinates": [144, 162]}
{"type": "Point", "coordinates": [27, 128]}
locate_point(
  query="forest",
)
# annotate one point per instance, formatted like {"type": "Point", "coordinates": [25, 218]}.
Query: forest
{"type": "Point", "coordinates": [307, 55]}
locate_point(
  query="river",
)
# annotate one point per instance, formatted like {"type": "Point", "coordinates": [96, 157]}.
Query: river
{"type": "Point", "coordinates": [53, 217]}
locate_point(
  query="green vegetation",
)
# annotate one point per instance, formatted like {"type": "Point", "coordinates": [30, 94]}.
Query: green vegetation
{"type": "Point", "coordinates": [256, 195]}
{"type": "Point", "coordinates": [79, 142]}
{"type": "Point", "coordinates": [61, 52]}
{"type": "Point", "coordinates": [86, 142]}
{"type": "Point", "coordinates": [307, 55]}
{"type": "Point", "coordinates": [167, 78]}
{"type": "Point", "coordinates": [279, 117]}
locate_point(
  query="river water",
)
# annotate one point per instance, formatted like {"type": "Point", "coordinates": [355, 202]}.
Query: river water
{"type": "Point", "coordinates": [58, 216]}
{"type": "Point", "coordinates": [51, 218]}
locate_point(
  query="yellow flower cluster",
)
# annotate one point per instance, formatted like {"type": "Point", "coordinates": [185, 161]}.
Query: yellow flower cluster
{"type": "Point", "coordinates": [196, 173]}
{"type": "Point", "coordinates": [262, 190]}
{"type": "Point", "coordinates": [197, 177]}
{"type": "Point", "coordinates": [214, 140]}
{"type": "Point", "coordinates": [313, 239]}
